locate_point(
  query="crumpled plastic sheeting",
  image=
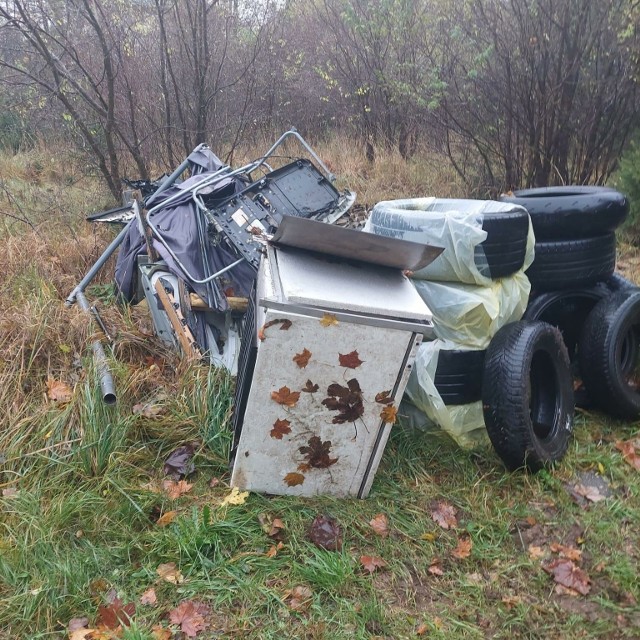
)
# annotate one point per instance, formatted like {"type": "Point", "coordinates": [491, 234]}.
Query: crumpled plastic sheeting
{"type": "Point", "coordinates": [469, 315]}
{"type": "Point", "coordinates": [426, 409]}
{"type": "Point", "coordinates": [454, 224]}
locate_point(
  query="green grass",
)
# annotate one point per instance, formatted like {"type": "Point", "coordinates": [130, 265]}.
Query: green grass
{"type": "Point", "coordinates": [89, 494]}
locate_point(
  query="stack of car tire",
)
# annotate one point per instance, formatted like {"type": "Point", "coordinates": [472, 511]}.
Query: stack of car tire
{"type": "Point", "coordinates": [574, 288]}
{"type": "Point", "coordinates": [516, 373]}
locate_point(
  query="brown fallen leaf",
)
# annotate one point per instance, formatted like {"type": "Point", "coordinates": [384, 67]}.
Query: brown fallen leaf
{"type": "Point", "coordinates": [511, 601]}
{"type": "Point", "coordinates": [160, 633]}
{"type": "Point", "coordinates": [309, 387]}
{"type": "Point", "coordinates": [286, 397]}
{"type": "Point", "coordinates": [435, 568]}
{"type": "Point", "coordinates": [84, 634]}
{"type": "Point", "coordinates": [116, 614]}
{"type": "Point", "coordinates": [569, 575]}
{"type": "Point", "coordinates": [299, 598]}
{"type": "Point", "coordinates": [566, 552]}
{"type": "Point", "coordinates": [628, 450]}
{"type": "Point", "coordinates": [280, 429]}
{"type": "Point", "coordinates": [316, 453]}
{"type": "Point", "coordinates": [422, 629]}
{"type": "Point", "coordinates": [273, 527]}
{"type": "Point", "coordinates": [293, 479]}
{"type": "Point", "coordinates": [77, 623]}
{"type": "Point", "coordinates": [463, 550]}
{"type": "Point", "coordinates": [328, 320]}
{"type": "Point", "coordinates": [191, 616]}
{"type": "Point", "coordinates": [179, 463]}
{"type": "Point", "coordinates": [284, 323]}
{"type": "Point", "coordinates": [176, 489]}
{"type": "Point", "coordinates": [350, 360]}
{"type": "Point", "coordinates": [380, 524]}
{"type": "Point", "coordinates": [389, 414]}
{"type": "Point", "coordinates": [59, 392]}
{"type": "Point", "coordinates": [372, 563]}
{"type": "Point", "coordinates": [273, 551]}
{"type": "Point", "coordinates": [445, 515]}
{"type": "Point", "coordinates": [535, 552]}
{"type": "Point", "coordinates": [149, 597]}
{"type": "Point", "coordinates": [326, 533]}
{"type": "Point", "coordinates": [170, 573]}
{"type": "Point", "coordinates": [302, 359]}
{"type": "Point", "coordinates": [590, 493]}
{"type": "Point", "coordinates": [384, 397]}
{"type": "Point", "coordinates": [166, 518]}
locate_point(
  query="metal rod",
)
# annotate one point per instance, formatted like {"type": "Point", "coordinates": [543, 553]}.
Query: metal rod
{"type": "Point", "coordinates": [102, 365]}
{"type": "Point", "coordinates": [91, 274]}
{"type": "Point", "coordinates": [169, 180]}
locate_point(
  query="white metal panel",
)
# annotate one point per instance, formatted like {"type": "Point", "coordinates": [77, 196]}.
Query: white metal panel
{"type": "Point", "coordinates": [332, 283]}
{"type": "Point", "coordinates": [323, 456]}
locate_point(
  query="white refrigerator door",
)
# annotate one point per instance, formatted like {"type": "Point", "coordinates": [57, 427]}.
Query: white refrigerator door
{"type": "Point", "coordinates": [323, 397]}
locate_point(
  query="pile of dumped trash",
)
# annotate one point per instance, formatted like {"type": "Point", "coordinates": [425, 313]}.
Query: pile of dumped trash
{"type": "Point", "coordinates": [326, 326]}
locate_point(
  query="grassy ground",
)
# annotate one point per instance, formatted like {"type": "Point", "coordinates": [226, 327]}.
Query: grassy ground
{"type": "Point", "coordinates": [85, 514]}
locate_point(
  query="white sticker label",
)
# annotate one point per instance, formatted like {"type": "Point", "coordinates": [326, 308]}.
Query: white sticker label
{"type": "Point", "coordinates": [240, 218]}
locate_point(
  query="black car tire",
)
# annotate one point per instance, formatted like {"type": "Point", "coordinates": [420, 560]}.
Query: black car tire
{"type": "Point", "coordinates": [572, 211]}
{"type": "Point", "coordinates": [609, 351]}
{"type": "Point", "coordinates": [563, 264]}
{"type": "Point", "coordinates": [501, 254]}
{"type": "Point", "coordinates": [527, 395]}
{"type": "Point", "coordinates": [458, 376]}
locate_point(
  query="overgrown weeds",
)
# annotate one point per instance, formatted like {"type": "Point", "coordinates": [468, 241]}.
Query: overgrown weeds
{"type": "Point", "coordinates": [84, 511]}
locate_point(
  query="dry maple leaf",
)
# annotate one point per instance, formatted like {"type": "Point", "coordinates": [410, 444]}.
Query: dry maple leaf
{"type": "Point", "coordinates": [567, 574]}
{"type": "Point", "coordinates": [116, 614]}
{"type": "Point", "coordinates": [384, 397]}
{"type": "Point", "coordinates": [511, 601]}
{"type": "Point", "coordinates": [445, 515]}
{"type": "Point", "coordinates": [285, 396]}
{"type": "Point", "coordinates": [160, 633]}
{"type": "Point", "coordinates": [389, 414]}
{"type": "Point", "coordinates": [317, 452]}
{"type": "Point", "coordinates": [463, 550]}
{"type": "Point", "coordinates": [280, 429]}
{"type": "Point", "coordinates": [170, 573]}
{"type": "Point", "coordinates": [346, 400]}
{"type": "Point", "coordinates": [589, 492]}
{"type": "Point", "coordinates": [536, 552]}
{"type": "Point", "coordinates": [298, 598]}
{"type": "Point", "coordinates": [149, 597]}
{"type": "Point", "coordinates": [628, 450]}
{"type": "Point", "coordinates": [328, 319]}
{"type": "Point", "coordinates": [380, 524]}
{"type": "Point", "coordinates": [191, 616]}
{"type": "Point", "coordinates": [302, 359]}
{"type": "Point", "coordinates": [325, 532]}
{"type": "Point", "coordinates": [372, 563]}
{"type": "Point", "coordinates": [293, 479]}
{"type": "Point", "coordinates": [273, 551]}
{"type": "Point", "coordinates": [175, 489]}
{"type": "Point", "coordinates": [58, 391]}
{"type": "Point", "coordinates": [166, 518]}
{"type": "Point", "coordinates": [566, 552]}
{"type": "Point", "coordinates": [350, 360]}
{"type": "Point", "coordinates": [309, 387]}
{"type": "Point", "coordinates": [285, 325]}
{"type": "Point", "coordinates": [273, 527]}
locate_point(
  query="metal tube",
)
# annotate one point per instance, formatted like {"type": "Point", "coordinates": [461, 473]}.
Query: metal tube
{"type": "Point", "coordinates": [102, 365]}
{"type": "Point", "coordinates": [169, 180]}
{"type": "Point", "coordinates": [91, 274]}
